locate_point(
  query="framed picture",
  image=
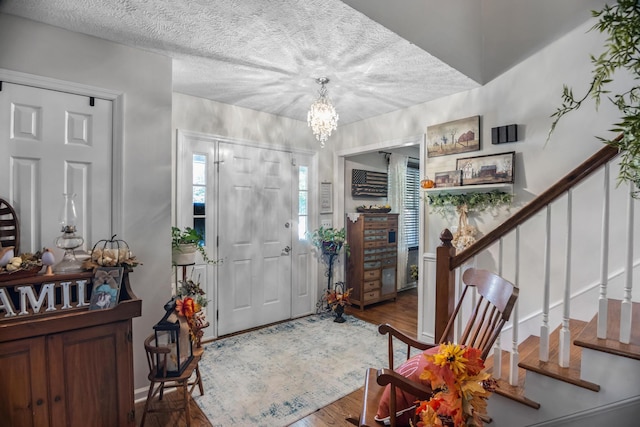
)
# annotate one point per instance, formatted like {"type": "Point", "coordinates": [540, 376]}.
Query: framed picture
{"type": "Point", "coordinates": [326, 201]}
{"type": "Point", "coordinates": [458, 136]}
{"type": "Point", "coordinates": [489, 169]}
{"type": "Point", "coordinates": [448, 179]}
{"type": "Point", "coordinates": [106, 288]}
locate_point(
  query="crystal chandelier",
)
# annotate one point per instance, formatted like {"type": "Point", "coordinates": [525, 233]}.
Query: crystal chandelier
{"type": "Point", "coordinates": [322, 117]}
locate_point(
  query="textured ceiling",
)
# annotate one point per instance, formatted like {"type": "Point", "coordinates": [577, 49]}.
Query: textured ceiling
{"type": "Point", "coordinates": [266, 55]}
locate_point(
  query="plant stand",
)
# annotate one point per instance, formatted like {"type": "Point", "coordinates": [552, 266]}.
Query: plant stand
{"type": "Point", "coordinates": [329, 256]}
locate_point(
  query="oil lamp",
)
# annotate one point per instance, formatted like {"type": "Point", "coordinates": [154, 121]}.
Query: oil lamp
{"type": "Point", "coordinates": [69, 240]}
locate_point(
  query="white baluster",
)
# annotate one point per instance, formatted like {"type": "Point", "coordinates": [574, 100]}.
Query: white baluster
{"type": "Point", "coordinates": [544, 328]}
{"type": "Point", "coordinates": [565, 334]}
{"type": "Point", "coordinates": [497, 348]}
{"type": "Point", "coordinates": [604, 260]}
{"type": "Point", "coordinates": [515, 356]}
{"type": "Point", "coordinates": [626, 307]}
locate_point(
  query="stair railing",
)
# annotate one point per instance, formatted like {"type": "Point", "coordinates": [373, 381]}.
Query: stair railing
{"type": "Point", "coordinates": [448, 262]}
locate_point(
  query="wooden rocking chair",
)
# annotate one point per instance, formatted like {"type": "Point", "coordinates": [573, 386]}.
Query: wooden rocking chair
{"type": "Point", "coordinates": [495, 300]}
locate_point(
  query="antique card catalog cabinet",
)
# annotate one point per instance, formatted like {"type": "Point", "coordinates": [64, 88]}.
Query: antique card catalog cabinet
{"type": "Point", "coordinates": [371, 264]}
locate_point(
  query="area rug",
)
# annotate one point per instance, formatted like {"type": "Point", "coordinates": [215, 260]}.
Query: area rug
{"type": "Point", "coordinates": [277, 375]}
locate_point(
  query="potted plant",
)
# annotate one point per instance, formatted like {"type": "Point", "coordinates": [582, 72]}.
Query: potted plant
{"type": "Point", "coordinates": [184, 244]}
{"type": "Point", "coordinates": [329, 240]}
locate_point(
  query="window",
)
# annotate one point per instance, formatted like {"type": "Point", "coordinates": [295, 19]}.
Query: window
{"type": "Point", "coordinates": [303, 198]}
{"type": "Point", "coordinates": [199, 188]}
{"type": "Point", "coordinates": [412, 206]}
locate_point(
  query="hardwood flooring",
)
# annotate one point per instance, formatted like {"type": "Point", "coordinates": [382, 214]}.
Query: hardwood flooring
{"type": "Point", "coordinates": [401, 313]}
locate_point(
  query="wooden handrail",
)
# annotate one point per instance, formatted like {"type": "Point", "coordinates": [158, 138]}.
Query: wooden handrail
{"type": "Point", "coordinates": [447, 261]}
{"type": "Point", "coordinates": [589, 166]}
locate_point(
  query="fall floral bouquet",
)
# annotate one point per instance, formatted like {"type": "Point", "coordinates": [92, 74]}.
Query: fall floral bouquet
{"type": "Point", "coordinates": [190, 307]}
{"type": "Point", "coordinates": [461, 388]}
{"type": "Point", "coordinates": [337, 298]}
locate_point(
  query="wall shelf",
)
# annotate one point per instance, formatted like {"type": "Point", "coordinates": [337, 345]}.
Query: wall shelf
{"type": "Point", "coordinates": [481, 188]}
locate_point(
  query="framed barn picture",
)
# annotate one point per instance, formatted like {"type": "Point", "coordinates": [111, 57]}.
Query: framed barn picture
{"type": "Point", "coordinates": [489, 169]}
{"type": "Point", "coordinates": [458, 136]}
{"type": "Point", "coordinates": [448, 179]}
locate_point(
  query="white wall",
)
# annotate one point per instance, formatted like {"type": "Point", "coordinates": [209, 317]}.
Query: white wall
{"type": "Point", "coordinates": [526, 95]}
{"type": "Point", "coordinates": [145, 80]}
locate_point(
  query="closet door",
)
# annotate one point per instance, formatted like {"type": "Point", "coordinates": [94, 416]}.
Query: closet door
{"type": "Point", "coordinates": [53, 143]}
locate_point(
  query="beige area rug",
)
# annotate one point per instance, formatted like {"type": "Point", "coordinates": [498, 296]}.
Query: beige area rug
{"type": "Point", "coordinates": [280, 374]}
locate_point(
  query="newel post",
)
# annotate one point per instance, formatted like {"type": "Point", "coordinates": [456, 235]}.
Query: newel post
{"type": "Point", "coordinates": [445, 285]}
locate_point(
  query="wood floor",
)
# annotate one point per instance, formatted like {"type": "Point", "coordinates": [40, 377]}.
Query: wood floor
{"type": "Point", "coordinates": [402, 313]}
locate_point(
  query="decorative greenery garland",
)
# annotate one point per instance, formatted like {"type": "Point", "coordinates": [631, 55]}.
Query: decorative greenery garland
{"type": "Point", "coordinates": [478, 202]}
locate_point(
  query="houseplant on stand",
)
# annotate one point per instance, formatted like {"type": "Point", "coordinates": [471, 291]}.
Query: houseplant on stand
{"type": "Point", "coordinates": [330, 242]}
{"type": "Point", "coordinates": [184, 244]}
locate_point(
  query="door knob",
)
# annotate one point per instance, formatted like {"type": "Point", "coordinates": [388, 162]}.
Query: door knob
{"type": "Point", "coordinates": [286, 250]}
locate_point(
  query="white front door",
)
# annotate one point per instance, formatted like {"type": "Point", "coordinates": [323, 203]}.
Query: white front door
{"type": "Point", "coordinates": [53, 143]}
{"type": "Point", "coordinates": [256, 227]}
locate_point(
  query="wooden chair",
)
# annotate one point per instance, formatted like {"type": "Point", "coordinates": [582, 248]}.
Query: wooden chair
{"type": "Point", "coordinates": [494, 302]}
{"type": "Point", "coordinates": [158, 376]}
{"type": "Point", "coordinates": [9, 227]}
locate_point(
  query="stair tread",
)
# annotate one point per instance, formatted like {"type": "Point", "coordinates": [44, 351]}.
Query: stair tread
{"type": "Point", "coordinates": [552, 368]}
{"type": "Point", "coordinates": [505, 389]}
{"type": "Point", "coordinates": [589, 336]}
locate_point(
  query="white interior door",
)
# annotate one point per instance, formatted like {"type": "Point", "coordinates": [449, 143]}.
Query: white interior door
{"type": "Point", "coordinates": [255, 237]}
{"type": "Point", "coordinates": [53, 143]}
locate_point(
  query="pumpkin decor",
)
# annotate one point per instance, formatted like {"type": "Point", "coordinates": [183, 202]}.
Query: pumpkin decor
{"type": "Point", "coordinates": [427, 183]}
{"type": "Point", "coordinates": [110, 253]}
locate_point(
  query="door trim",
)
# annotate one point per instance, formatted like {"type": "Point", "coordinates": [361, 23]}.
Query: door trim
{"type": "Point", "coordinates": [182, 136]}
{"type": "Point", "coordinates": [117, 131]}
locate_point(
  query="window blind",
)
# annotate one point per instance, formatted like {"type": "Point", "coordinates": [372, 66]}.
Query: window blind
{"type": "Point", "coordinates": [412, 206]}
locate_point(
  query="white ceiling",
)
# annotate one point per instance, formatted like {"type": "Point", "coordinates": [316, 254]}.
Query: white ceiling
{"type": "Point", "coordinates": [380, 55]}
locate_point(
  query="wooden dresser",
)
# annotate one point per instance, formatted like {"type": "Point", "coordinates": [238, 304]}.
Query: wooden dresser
{"type": "Point", "coordinates": [65, 365]}
{"type": "Point", "coordinates": [372, 262]}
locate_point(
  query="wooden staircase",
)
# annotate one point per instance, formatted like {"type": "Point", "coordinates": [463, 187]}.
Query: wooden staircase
{"type": "Point", "coordinates": [585, 334]}
{"type": "Point", "coordinates": [602, 375]}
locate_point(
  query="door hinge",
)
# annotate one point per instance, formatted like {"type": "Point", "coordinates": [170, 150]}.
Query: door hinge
{"type": "Point", "coordinates": [129, 336]}
{"type": "Point", "coordinates": [217, 241]}
{"type": "Point", "coordinates": [293, 161]}
{"type": "Point", "coordinates": [217, 314]}
{"type": "Point", "coordinates": [0, 85]}
{"type": "Point", "coordinates": [132, 415]}
{"type": "Point", "coordinates": [92, 101]}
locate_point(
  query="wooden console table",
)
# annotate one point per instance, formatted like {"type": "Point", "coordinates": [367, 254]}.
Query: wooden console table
{"type": "Point", "coordinates": [62, 364]}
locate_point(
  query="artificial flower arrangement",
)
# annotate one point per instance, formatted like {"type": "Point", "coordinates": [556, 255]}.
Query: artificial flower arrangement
{"type": "Point", "coordinates": [461, 386]}
{"type": "Point", "coordinates": [190, 303]}
{"type": "Point", "coordinates": [335, 298]}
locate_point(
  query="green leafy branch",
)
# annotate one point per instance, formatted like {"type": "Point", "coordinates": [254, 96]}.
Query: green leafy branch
{"type": "Point", "coordinates": [622, 24]}
{"type": "Point", "coordinates": [441, 203]}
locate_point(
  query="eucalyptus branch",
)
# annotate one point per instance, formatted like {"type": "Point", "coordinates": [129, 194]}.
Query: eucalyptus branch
{"type": "Point", "coordinates": [622, 52]}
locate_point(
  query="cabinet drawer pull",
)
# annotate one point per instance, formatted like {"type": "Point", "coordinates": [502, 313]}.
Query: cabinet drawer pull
{"type": "Point", "coordinates": [39, 402]}
{"type": "Point", "coordinates": [57, 399]}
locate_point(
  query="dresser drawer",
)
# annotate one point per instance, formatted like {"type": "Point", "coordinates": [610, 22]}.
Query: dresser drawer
{"type": "Point", "coordinates": [371, 275]}
{"type": "Point", "coordinates": [371, 286]}
{"type": "Point", "coordinates": [370, 296]}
